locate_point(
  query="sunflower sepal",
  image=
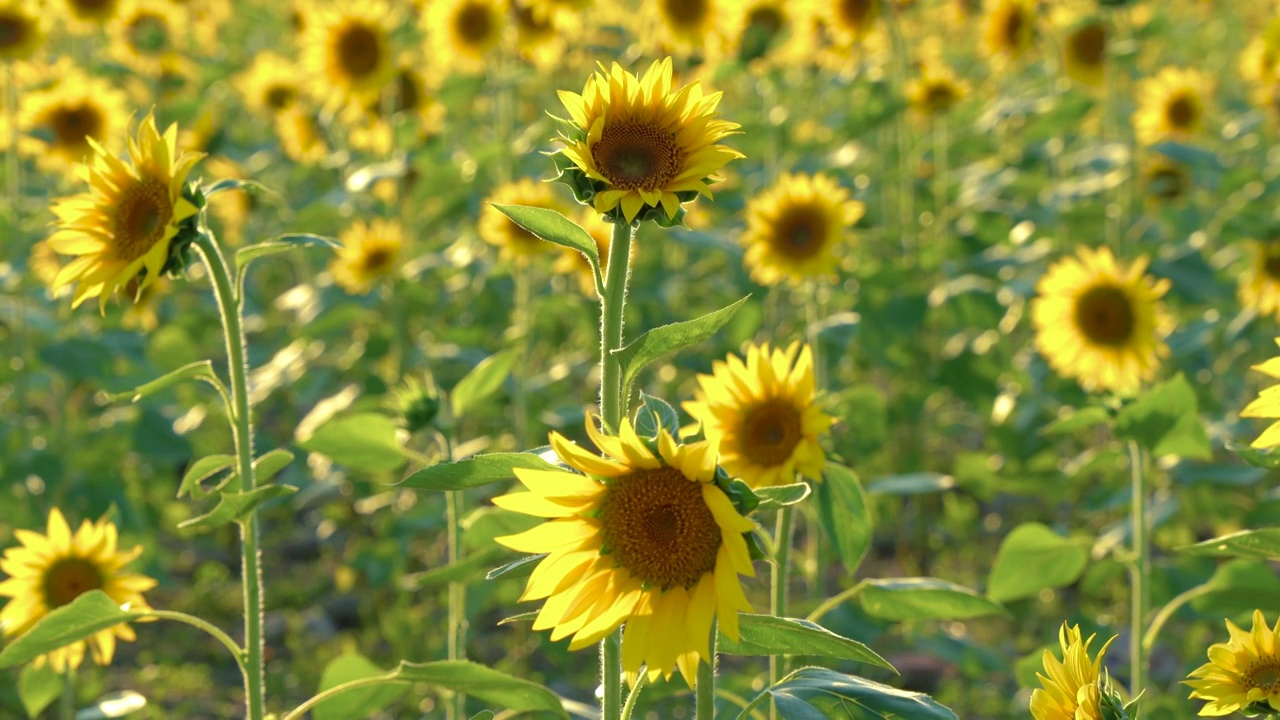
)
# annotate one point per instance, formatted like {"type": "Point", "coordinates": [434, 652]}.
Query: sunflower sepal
{"type": "Point", "coordinates": [1112, 705]}
{"type": "Point", "coordinates": [779, 496]}
{"type": "Point", "coordinates": [654, 416]}
{"type": "Point", "coordinates": [180, 255]}
{"type": "Point", "coordinates": [740, 494]}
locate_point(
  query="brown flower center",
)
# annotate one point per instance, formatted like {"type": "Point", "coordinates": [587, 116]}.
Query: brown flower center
{"type": "Point", "coordinates": [91, 8]}
{"type": "Point", "coordinates": [279, 97]}
{"type": "Point", "coordinates": [68, 579]}
{"type": "Point", "coordinates": [1182, 112]}
{"type": "Point", "coordinates": [359, 50]}
{"type": "Point", "coordinates": [72, 124]}
{"type": "Point", "coordinates": [1271, 265]}
{"type": "Point", "coordinates": [378, 260]}
{"type": "Point", "coordinates": [1014, 23]}
{"type": "Point", "coordinates": [857, 13]}
{"type": "Point", "coordinates": [801, 232]}
{"type": "Point", "coordinates": [14, 30]}
{"type": "Point", "coordinates": [1166, 183]}
{"type": "Point", "coordinates": [637, 156]}
{"type": "Point", "coordinates": [685, 13]}
{"type": "Point", "coordinates": [940, 95]}
{"type": "Point", "coordinates": [1263, 674]}
{"type": "Point", "coordinates": [148, 34]}
{"type": "Point", "coordinates": [1105, 315]}
{"type": "Point", "coordinates": [473, 24]}
{"type": "Point", "coordinates": [658, 527]}
{"type": "Point", "coordinates": [769, 432]}
{"type": "Point", "coordinates": [1089, 45]}
{"type": "Point", "coordinates": [767, 18]}
{"type": "Point", "coordinates": [141, 216]}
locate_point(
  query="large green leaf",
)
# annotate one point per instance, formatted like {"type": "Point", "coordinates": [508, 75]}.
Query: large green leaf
{"type": "Point", "coordinates": [924, 599]}
{"type": "Point", "coordinates": [1237, 587]}
{"type": "Point", "coordinates": [475, 472]}
{"type": "Point", "coordinates": [363, 441]}
{"type": "Point", "coordinates": [768, 635]}
{"type": "Point", "coordinates": [38, 687]}
{"type": "Point", "coordinates": [667, 339]}
{"type": "Point", "coordinates": [1261, 543]}
{"type": "Point", "coordinates": [279, 244]}
{"type": "Point", "coordinates": [359, 702]}
{"type": "Point", "coordinates": [555, 228]}
{"type": "Point", "coordinates": [820, 694]}
{"type": "Point", "coordinates": [842, 506]}
{"type": "Point", "coordinates": [484, 380]}
{"type": "Point", "coordinates": [1033, 558]}
{"type": "Point", "coordinates": [1166, 421]}
{"type": "Point", "coordinates": [235, 506]}
{"type": "Point", "coordinates": [79, 619]}
{"type": "Point", "coordinates": [203, 469]}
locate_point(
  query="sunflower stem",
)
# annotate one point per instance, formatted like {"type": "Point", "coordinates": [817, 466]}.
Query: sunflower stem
{"type": "Point", "coordinates": [634, 695]}
{"type": "Point", "coordinates": [457, 591]}
{"type": "Point", "coordinates": [705, 688]}
{"type": "Point", "coordinates": [67, 705]}
{"type": "Point", "coordinates": [229, 306]}
{"type": "Point", "coordinates": [524, 343]}
{"type": "Point", "coordinates": [1138, 572]}
{"type": "Point", "coordinates": [778, 585]}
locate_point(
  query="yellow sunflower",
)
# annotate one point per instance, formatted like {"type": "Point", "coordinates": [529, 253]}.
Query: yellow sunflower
{"type": "Point", "coordinates": [1100, 322]}
{"type": "Point", "coordinates": [48, 571]}
{"type": "Point", "coordinates": [935, 91]}
{"type": "Point", "coordinates": [1010, 29]}
{"type": "Point", "coordinates": [1243, 673]}
{"type": "Point", "coordinates": [271, 84]}
{"type": "Point", "coordinates": [87, 16]}
{"type": "Point", "coordinates": [1071, 690]}
{"type": "Point", "coordinates": [573, 263]}
{"type": "Point", "coordinates": [1171, 105]}
{"type": "Point", "coordinates": [776, 31]}
{"type": "Point", "coordinates": [762, 415]}
{"type": "Point", "coordinates": [641, 144]}
{"type": "Point", "coordinates": [796, 228]}
{"type": "Point", "coordinates": [539, 34]}
{"type": "Point", "coordinates": [21, 30]}
{"type": "Point", "coordinates": [1267, 405]}
{"type": "Point", "coordinates": [686, 27]}
{"type": "Point", "coordinates": [848, 20]}
{"type": "Point", "coordinates": [369, 252]}
{"type": "Point", "coordinates": [57, 121]}
{"type": "Point", "coordinates": [302, 137]}
{"type": "Point", "coordinates": [645, 536]}
{"type": "Point", "coordinates": [147, 36]}
{"type": "Point", "coordinates": [127, 221]}
{"type": "Point", "coordinates": [1260, 60]}
{"type": "Point", "coordinates": [1084, 53]}
{"type": "Point", "coordinates": [513, 241]}
{"type": "Point", "coordinates": [1259, 287]}
{"type": "Point", "coordinates": [462, 33]}
{"type": "Point", "coordinates": [346, 48]}
{"type": "Point", "coordinates": [1166, 179]}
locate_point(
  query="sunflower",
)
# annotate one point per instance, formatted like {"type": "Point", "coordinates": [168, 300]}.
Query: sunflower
{"type": "Point", "coordinates": [513, 241]}
{"type": "Point", "coordinates": [128, 221]}
{"type": "Point", "coordinates": [1243, 674]}
{"type": "Point", "coordinates": [21, 30]}
{"type": "Point", "coordinates": [1084, 53]}
{"type": "Point", "coordinates": [463, 32]}
{"type": "Point", "coordinates": [146, 36]}
{"type": "Point", "coordinates": [935, 91]}
{"type": "Point", "coordinates": [762, 416]}
{"type": "Point", "coordinates": [369, 252]}
{"type": "Point", "coordinates": [645, 536]}
{"type": "Point", "coordinates": [1166, 179]}
{"type": "Point", "coordinates": [48, 571]}
{"type": "Point", "coordinates": [1259, 288]}
{"type": "Point", "coordinates": [271, 85]}
{"type": "Point", "coordinates": [87, 16]}
{"type": "Point", "coordinates": [347, 49]}
{"type": "Point", "coordinates": [1010, 29]}
{"type": "Point", "coordinates": [1260, 60]}
{"type": "Point", "coordinates": [1100, 322]}
{"type": "Point", "coordinates": [640, 144]}
{"type": "Point", "coordinates": [796, 227]}
{"type": "Point", "coordinates": [1170, 105]}
{"type": "Point", "coordinates": [302, 137]}
{"type": "Point", "coordinates": [775, 30]}
{"type": "Point", "coordinates": [57, 121]}
{"type": "Point", "coordinates": [688, 27]}
{"type": "Point", "coordinates": [1071, 690]}
{"type": "Point", "coordinates": [573, 263]}
{"type": "Point", "coordinates": [539, 34]}
{"type": "Point", "coordinates": [849, 20]}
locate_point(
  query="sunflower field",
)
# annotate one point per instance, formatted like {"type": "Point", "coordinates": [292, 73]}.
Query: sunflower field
{"type": "Point", "coordinates": [639, 359]}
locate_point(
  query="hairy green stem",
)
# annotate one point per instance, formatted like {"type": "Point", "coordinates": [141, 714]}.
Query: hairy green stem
{"type": "Point", "coordinates": [230, 306]}
{"type": "Point", "coordinates": [705, 688]}
{"type": "Point", "coordinates": [524, 343]}
{"type": "Point", "coordinates": [300, 712]}
{"type": "Point", "coordinates": [1139, 572]}
{"type": "Point", "coordinates": [634, 695]}
{"type": "Point", "coordinates": [457, 598]}
{"type": "Point", "coordinates": [200, 623]}
{"type": "Point", "coordinates": [834, 602]}
{"type": "Point", "coordinates": [67, 704]}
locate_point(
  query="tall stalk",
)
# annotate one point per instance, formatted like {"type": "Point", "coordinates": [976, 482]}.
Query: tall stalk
{"type": "Point", "coordinates": [705, 688]}
{"type": "Point", "coordinates": [230, 307]}
{"type": "Point", "coordinates": [1139, 571]}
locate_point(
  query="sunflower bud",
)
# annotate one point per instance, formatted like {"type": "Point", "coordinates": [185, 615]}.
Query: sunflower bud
{"type": "Point", "coordinates": [417, 401]}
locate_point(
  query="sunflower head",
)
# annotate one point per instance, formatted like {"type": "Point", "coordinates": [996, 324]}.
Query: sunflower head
{"type": "Point", "coordinates": [21, 30]}
{"type": "Point", "coordinates": [648, 534]}
{"type": "Point", "coordinates": [762, 415]}
{"type": "Point", "coordinates": [48, 571]}
{"type": "Point", "coordinates": [1084, 52]}
{"type": "Point", "coordinates": [462, 33]}
{"type": "Point", "coordinates": [1101, 322]}
{"type": "Point", "coordinates": [1259, 287]}
{"type": "Point", "coordinates": [1171, 105]}
{"type": "Point", "coordinates": [302, 137]}
{"type": "Point", "coordinates": [417, 402]}
{"type": "Point", "coordinates": [85, 16]}
{"type": "Point", "coordinates": [369, 252]}
{"type": "Point", "coordinates": [797, 228]}
{"type": "Point", "coordinates": [1166, 179]}
{"type": "Point", "coordinates": [636, 148]}
{"type": "Point", "coordinates": [272, 84]}
{"type": "Point", "coordinates": [347, 49]}
{"type": "Point", "coordinates": [936, 91]}
{"type": "Point", "coordinates": [58, 121]}
{"type": "Point", "coordinates": [1074, 688]}
{"type": "Point", "coordinates": [1243, 674]}
{"type": "Point", "coordinates": [1010, 29]}
{"type": "Point", "coordinates": [137, 220]}
{"type": "Point", "coordinates": [514, 242]}
{"type": "Point", "coordinates": [850, 20]}
{"type": "Point", "coordinates": [146, 36]}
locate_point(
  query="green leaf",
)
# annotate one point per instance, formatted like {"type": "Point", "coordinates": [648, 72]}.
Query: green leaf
{"type": "Point", "coordinates": [1166, 421]}
{"type": "Point", "coordinates": [203, 469]}
{"type": "Point", "coordinates": [38, 687]}
{"type": "Point", "coordinates": [483, 715]}
{"type": "Point", "coordinates": [924, 599]}
{"type": "Point", "coordinates": [360, 702]}
{"type": "Point", "coordinates": [235, 506]}
{"type": "Point", "coordinates": [200, 370]}
{"type": "Point", "coordinates": [1074, 420]}
{"type": "Point", "coordinates": [266, 467]}
{"type": "Point", "coordinates": [782, 495]}
{"type": "Point", "coordinates": [282, 243]}
{"type": "Point", "coordinates": [557, 229]}
{"type": "Point", "coordinates": [667, 339]}
{"type": "Point", "coordinates": [1033, 558]}
{"type": "Point", "coordinates": [471, 679]}
{"type": "Point", "coordinates": [233, 184]}
{"type": "Point", "coordinates": [820, 694]}
{"type": "Point", "coordinates": [363, 441]}
{"type": "Point", "coordinates": [1237, 587]}
{"type": "Point", "coordinates": [654, 415]}
{"type": "Point", "coordinates": [483, 381]}
{"type": "Point", "coordinates": [918, 483]}
{"type": "Point", "coordinates": [469, 568]}
{"type": "Point", "coordinates": [1269, 459]}
{"type": "Point", "coordinates": [79, 619]}
{"type": "Point", "coordinates": [1261, 543]}
{"type": "Point", "coordinates": [768, 635]}
{"type": "Point", "coordinates": [475, 472]}
{"type": "Point", "coordinates": [842, 507]}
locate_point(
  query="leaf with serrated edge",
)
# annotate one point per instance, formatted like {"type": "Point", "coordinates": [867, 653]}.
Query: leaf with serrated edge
{"type": "Point", "coordinates": [768, 635]}
{"type": "Point", "coordinates": [555, 228]}
{"type": "Point", "coordinates": [475, 472]}
{"type": "Point", "coordinates": [667, 339]}
{"type": "Point", "coordinates": [234, 506]}
{"type": "Point", "coordinates": [782, 495]}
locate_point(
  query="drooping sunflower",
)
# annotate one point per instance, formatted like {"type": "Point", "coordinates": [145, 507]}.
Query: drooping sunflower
{"type": "Point", "coordinates": [1242, 673]}
{"type": "Point", "coordinates": [48, 571]}
{"type": "Point", "coordinates": [796, 228]}
{"type": "Point", "coordinates": [369, 252]}
{"type": "Point", "coordinates": [1171, 105]}
{"type": "Point", "coordinates": [1100, 322]}
{"type": "Point", "coordinates": [57, 121]}
{"type": "Point", "coordinates": [644, 536]}
{"type": "Point", "coordinates": [1084, 52]}
{"type": "Point", "coordinates": [1071, 686]}
{"type": "Point", "coordinates": [573, 263]}
{"type": "Point", "coordinates": [271, 85]}
{"type": "Point", "coordinates": [762, 415]}
{"type": "Point", "coordinates": [21, 30]}
{"type": "Point", "coordinates": [87, 16]}
{"type": "Point", "coordinates": [1010, 29]}
{"type": "Point", "coordinates": [642, 144]}
{"type": "Point", "coordinates": [462, 33]}
{"type": "Point", "coordinates": [346, 48]}
{"type": "Point", "coordinates": [514, 242]}
{"type": "Point", "coordinates": [1259, 287]}
{"type": "Point", "coordinates": [147, 36]}
{"type": "Point", "coordinates": [125, 225]}
{"type": "Point", "coordinates": [935, 91]}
